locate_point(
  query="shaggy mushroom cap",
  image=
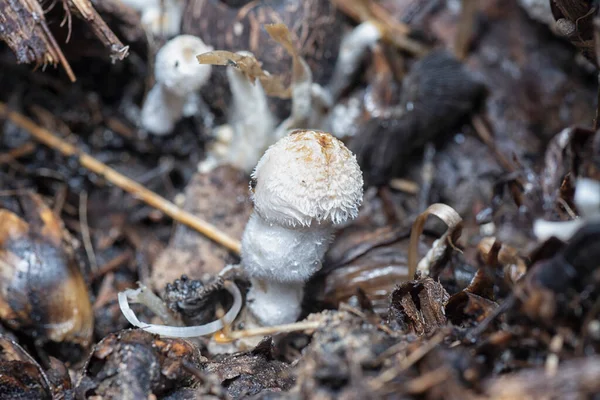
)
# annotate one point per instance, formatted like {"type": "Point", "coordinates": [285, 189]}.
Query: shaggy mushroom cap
{"type": "Point", "coordinates": [307, 176]}
{"type": "Point", "coordinates": [176, 66]}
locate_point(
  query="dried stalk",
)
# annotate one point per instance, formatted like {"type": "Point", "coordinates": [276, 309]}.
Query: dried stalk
{"type": "Point", "coordinates": [84, 9]}
{"type": "Point", "coordinates": [228, 336]}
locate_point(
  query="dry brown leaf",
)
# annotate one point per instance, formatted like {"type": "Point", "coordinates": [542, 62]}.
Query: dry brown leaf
{"type": "Point", "coordinates": [249, 65]}
{"type": "Point", "coordinates": [444, 212]}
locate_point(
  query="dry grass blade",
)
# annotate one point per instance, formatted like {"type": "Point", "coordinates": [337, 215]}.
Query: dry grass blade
{"type": "Point", "coordinates": [249, 65]}
{"type": "Point", "coordinates": [224, 337]}
{"type": "Point", "coordinates": [121, 181]}
{"type": "Point", "coordinates": [444, 212]}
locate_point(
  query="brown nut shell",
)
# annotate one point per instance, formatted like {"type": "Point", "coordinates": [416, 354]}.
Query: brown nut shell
{"type": "Point", "coordinates": [42, 291]}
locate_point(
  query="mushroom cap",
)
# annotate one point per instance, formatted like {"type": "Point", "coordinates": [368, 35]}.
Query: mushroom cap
{"type": "Point", "coordinates": [305, 177]}
{"type": "Point", "coordinates": [176, 65]}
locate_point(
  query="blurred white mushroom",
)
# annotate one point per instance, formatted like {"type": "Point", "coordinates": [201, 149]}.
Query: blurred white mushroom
{"type": "Point", "coordinates": [159, 17]}
{"type": "Point", "coordinates": [310, 102]}
{"type": "Point", "coordinates": [587, 201]}
{"type": "Point", "coordinates": [178, 78]}
{"type": "Point", "coordinates": [305, 184]}
{"type": "Point", "coordinates": [540, 10]}
{"type": "Point", "coordinates": [352, 52]}
{"type": "Point", "coordinates": [249, 131]}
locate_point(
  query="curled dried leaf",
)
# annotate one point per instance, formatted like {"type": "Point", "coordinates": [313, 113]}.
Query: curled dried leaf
{"type": "Point", "coordinates": [251, 67]}
{"type": "Point", "coordinates": [454, 222]}
{"type": "Point", "coordinates": [513, 265]}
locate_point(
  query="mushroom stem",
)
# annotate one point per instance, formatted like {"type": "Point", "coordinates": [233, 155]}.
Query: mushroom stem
{"type": "Point", "coordinates": [298, 249]}
{"type": "Point", "coordinates": [275, 303]}
{"type": "Point", "coordinates": [162, 109]}
{"type": "Point", "coordinates": [306, 184]}
{"type": "Point", "coordinates": [249, 131]}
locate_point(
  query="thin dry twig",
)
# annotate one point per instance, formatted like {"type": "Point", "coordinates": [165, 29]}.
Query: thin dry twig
{"type": "Point", "coordinates": [597, 48]}
{"type": "Point", "coordinates": [21, 151]}
{"type": "Point", "coordinates": [121, 181]}
{"type": "Point", "coordinates": [485, 135]}
{"type": "Point", "coordinates": [112, 264]}
{"type": "Point", "coordinates": [426, 381]}
{"type": "Point", "coordinates": [466, 28]}
{"type": "Point", "coordinates": [267, 330]}
{"type": "Point", "coordinates": [404, 185]}
{"type": "Point", "coordinates": [85, 10]}
{"type": "Point", "coordinates": [360, 314]}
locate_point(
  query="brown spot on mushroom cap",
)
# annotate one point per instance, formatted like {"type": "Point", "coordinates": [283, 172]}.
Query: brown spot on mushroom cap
{"type": "Point", "coordinates": [300, 144]}
{"type": "Point", "coordinates": [189, 54]}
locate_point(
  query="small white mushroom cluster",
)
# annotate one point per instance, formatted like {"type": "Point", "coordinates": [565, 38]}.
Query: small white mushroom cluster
{"type": "Point", "coordinates": [304, 185]}
{"type": "Point", "coordinates": [178, 79]}
{"type": "Point", "coordinates": [251, 127]}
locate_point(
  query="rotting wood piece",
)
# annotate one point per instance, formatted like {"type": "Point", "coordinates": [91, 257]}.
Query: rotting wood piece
{"type": "Point", "coordinates": [23, 27]}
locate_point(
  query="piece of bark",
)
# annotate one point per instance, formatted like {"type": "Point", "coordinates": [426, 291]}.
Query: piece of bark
{"type": "Point", "coordinates": [23, 27]}
{"type": "Point", "coordinates": [418, 307]}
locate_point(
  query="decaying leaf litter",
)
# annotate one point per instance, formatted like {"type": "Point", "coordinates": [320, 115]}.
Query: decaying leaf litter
{"type": "Point", "coordinates": [478, 114]}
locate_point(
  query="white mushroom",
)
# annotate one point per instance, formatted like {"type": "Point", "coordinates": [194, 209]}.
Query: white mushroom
{"type": "Point", "coordinates": [311, 103]}
{"type": "Point", "coordinates": [353, 49]}
{"type": "Point", "coordinates": [178, 78]}
{"type": "Point", "coordinates": [587, 201]}
{"type": "Point", "coordinates": [249, 131]}
{"type": "Point", "coordinates": [305, 184]}
{"type": "Point", "coordinates": [159, 17]}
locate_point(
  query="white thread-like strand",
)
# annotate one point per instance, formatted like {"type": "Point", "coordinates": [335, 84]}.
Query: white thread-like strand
{"type": "Point", "coordinates": [182, 331]}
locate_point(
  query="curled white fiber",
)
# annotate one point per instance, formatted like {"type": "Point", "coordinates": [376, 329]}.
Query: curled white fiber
{"type": "Point", "coordinates": [181, 331]}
